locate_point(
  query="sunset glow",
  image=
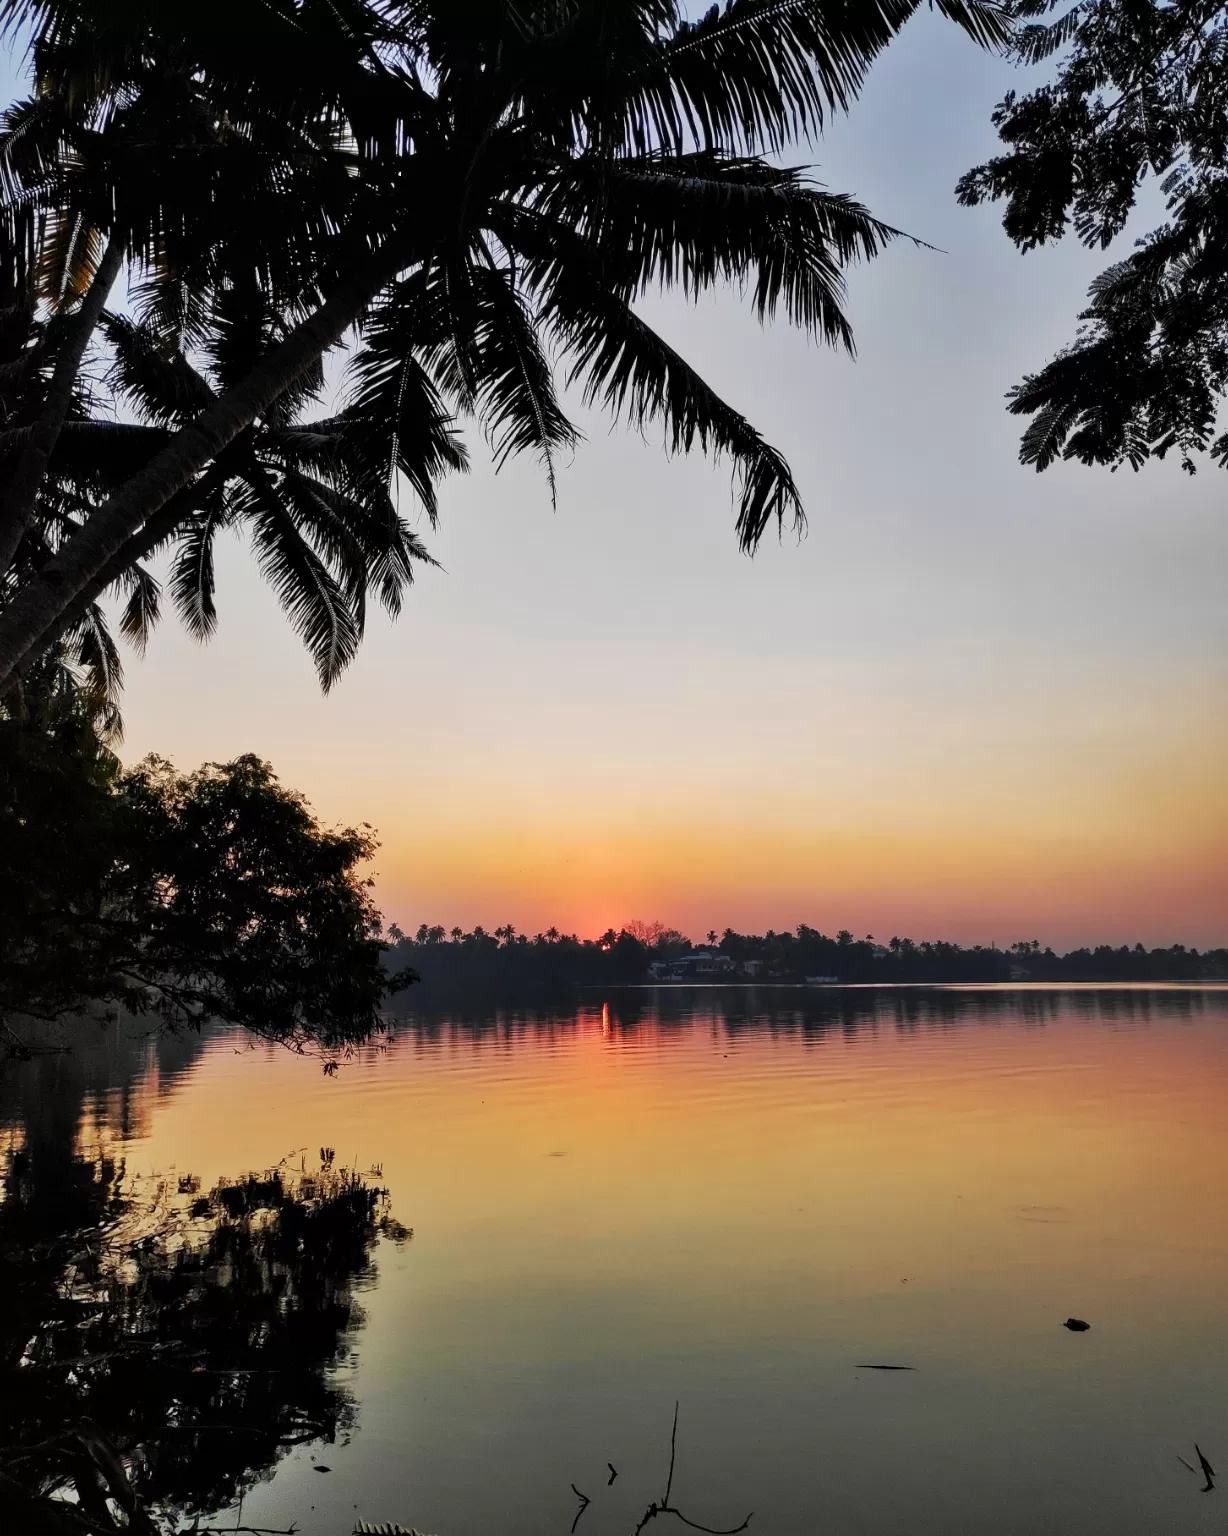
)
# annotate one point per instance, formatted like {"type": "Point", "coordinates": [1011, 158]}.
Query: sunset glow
{"type": "Point", "coordinates": [971, 703]}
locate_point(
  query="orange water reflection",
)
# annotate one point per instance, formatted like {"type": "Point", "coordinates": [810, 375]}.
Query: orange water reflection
{"type": "Point", "coordinates": [736, 1199]}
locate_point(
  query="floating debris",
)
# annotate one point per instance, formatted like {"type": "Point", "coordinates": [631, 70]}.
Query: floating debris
{"type": "Point", "coordinates": [1076, 1325]}
{"type": "Point", "coordinates": [1208, 1471]}
{"type": "Point", "coordinates": [863, 1367]}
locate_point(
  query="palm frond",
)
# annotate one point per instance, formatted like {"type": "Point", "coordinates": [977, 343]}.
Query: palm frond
{"type": "Point", "coordinates": [192, 576]}
{"type": "Point", "coordinates": [153, 374]}
{"type": "Point", "coordinates": [761, 73]}
{"type": "Point", "coordinates": [244, 327]}
{"type": "Point", "coordinates": [395, 419]}
{"type": "Point", "coordinates": [310, 596]}
{"type": "Point", "coordinates": [692, 221]}
{"type": "Point", "coordinates": [632, 372]}
{"type": "Point", "coordinates": [172, 307]}
{"type": "Point", "coordinates": [627, 368]}
{"type": "Point", "coordinates": [516, 397]}
{"type": "Point", "coordinates": [365, 539]}
{"type": "Point", "coordinates": [91, 649]}
{"type": "Point", "coordinates": [143, 608]}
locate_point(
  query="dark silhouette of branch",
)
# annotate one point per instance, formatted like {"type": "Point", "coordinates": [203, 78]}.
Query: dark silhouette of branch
{"type": "Point", "coordinates": [1207, 1470]}
{"type": "Point", "coordinates": [246, 1530]}
{"type": "Point", "coordinates": [666, 1508]}
{"type": "Point", "coordinates": [711, 1530]}
{"type": "Point", "coordinates": [585, 1501]}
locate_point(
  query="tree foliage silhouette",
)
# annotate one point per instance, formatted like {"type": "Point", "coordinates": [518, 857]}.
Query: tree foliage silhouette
{"type": "Point", "coordinates": [1140, 90]}
{"type": "Point", "coordinates": [210, 895]}
{"type": "Point", "coordinates": [473, 193]}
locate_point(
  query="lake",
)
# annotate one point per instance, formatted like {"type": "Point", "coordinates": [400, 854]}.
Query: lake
{"type": "Point", "coordinates": [740, 1200]}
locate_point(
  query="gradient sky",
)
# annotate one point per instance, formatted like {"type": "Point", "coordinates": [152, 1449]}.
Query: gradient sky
{"type": "Point", "coordinates": [971, 702]}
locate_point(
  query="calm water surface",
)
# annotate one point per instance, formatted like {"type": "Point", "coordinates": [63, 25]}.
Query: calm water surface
{"type": "Point", "coordinates": [738, 1200]}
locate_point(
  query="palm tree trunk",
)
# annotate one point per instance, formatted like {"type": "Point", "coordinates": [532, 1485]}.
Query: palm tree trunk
{"type": "Point", "coordinates": [21, 498]}
{"type": "Point", "coordinates": [160, 527]}
{"type": "Point", "coordinates": [41, 611]}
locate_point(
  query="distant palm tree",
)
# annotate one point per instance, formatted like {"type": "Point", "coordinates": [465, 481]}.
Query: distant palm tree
{"type": "Point", "coordinates": [470, 189]}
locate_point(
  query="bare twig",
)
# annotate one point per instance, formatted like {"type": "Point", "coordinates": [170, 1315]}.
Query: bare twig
{"type": "Point", "coordinates": [673, 1452]}
{"type": "Point", "coordinates": [666, 1508]}
{"type": "Point", "coordinates": [585, 1501]}
{"type": "Point", "coordinates": [654, 1510]}
{"type": "Point", "coordinates": [248, 1530]}
{"type": "Point", "coordinates": [22, 1049]}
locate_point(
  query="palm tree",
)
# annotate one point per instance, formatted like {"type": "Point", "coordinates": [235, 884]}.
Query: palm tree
{"type": "Point", "coordinates": [473, 192]}
{"type": "Point", "coordinates": [321, 519]}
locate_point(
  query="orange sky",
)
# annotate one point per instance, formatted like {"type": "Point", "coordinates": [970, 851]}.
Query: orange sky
{"type": "Point", "coordinates": [1001, 841]}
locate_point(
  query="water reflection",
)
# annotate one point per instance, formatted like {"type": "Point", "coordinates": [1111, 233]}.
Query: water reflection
{"type": "Point", "coordinates": [806, 1013]}
{"type": "Point", "coordinates": [162, 1346]}
{"type": "Point", "coordinates": [728, 1196]}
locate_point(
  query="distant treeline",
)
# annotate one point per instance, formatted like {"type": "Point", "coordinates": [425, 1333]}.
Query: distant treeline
{"type": "Point", "coordinates": [646, 952]}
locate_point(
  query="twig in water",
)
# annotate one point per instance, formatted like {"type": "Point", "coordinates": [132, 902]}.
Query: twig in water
{"type": "Point", "coordinates": [250, 1530]}
{"type": "Point", "coordinates": [1208, 1471]}
{"type": "Point", "coordinates": [585, 1501]}
{"type": "Point", "coordinates": [613, 1472]}
{"type": "Point", "coordinates": [666, 1508]}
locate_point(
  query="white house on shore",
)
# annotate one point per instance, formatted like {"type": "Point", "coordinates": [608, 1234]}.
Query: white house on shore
{"type": "Point", "coordinates": [699, 964]}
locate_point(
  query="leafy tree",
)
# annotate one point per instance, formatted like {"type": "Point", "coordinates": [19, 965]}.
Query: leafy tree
{"type": "Point", "coordinates": [214, 894]}
{"type": "Point", "coordinates": [1140, 90]}
{"type": "Point", "coordinates": [468, 189]}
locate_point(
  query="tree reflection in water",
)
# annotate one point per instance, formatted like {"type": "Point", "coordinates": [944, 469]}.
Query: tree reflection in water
{"type": "Point", "coordinates": [161, 1347]}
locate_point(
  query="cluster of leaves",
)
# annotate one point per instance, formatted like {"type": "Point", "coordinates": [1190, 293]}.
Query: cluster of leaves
{"type": "Point", "coordinates": [472, 193]}
{"type": "Point", "coordinates": [214, 894]}
{"type": "Point", "coordinates": [1141, 90]}
{"type": "Point", "coordinates": [200, 1329]}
